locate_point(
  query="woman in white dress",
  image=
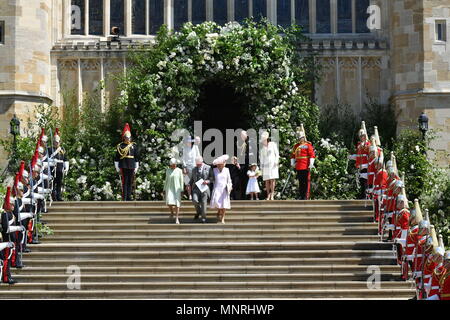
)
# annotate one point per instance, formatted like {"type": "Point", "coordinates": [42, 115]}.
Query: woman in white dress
{"type": "Point", "coordinates": [220, 197]}
{"type": "Point", "coordinates": [174, 187]}
{"type": "Point", "coordinates": [269, 159]}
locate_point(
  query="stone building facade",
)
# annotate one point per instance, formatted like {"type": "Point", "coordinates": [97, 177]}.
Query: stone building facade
{"type": "Point", "coordinates": [384, 50]}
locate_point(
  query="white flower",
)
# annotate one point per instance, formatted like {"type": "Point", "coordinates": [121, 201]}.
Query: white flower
{"type": "Point", "coordinates": [412, 167]}
{"type": "Point", "coordinates": [417, 149]}
{"type": "Point", "coordinates": [79, 148]}
{"type": "Point", "coordinates": [82, 180]}
{"type": "Point", "coordinates": [92, 150]}
{"type": "Point", "coordinates": [169, 89]}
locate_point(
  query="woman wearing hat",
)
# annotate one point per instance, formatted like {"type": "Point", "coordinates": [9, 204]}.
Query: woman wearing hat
{"type": "Point", "coordinates": [220, 197]}
{"type": "Point", "coordinates": [269, 159]}
{"type": "Point", "coordinates": [174, 187]}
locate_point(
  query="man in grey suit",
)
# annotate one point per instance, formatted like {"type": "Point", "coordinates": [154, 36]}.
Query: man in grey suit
{"type": "Point", "coordinates": [200, 199]}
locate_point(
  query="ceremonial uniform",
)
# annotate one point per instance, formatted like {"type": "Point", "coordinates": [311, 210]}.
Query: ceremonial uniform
{"type": "Point", "coordinates": [379, 189]}
{"type": "Point", "coordinates": [7, 231]}
{"type": "Point", "coordinates": [444, 284]}
{"type": "Point", "coordinates": [302, 157]}
{"type": "Point", "coordinates": [127, 161]}
{"type": "Point", "coordinates": [362, 163]}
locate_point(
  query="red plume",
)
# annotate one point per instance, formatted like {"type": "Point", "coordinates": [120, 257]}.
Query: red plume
{"type": "Point", "coordinates": [21, 169]}
{"type": "Point", "coordinates": [126, 129]}
{"type": "Point", "coordinates": [57, 132]}
{"type": "Point", "coordinates": [16, 184]}
{"type": "Point", "coordinates": [6, 203]}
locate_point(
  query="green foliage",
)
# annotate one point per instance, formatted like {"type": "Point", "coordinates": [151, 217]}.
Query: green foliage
{"type": "Point", "coordinates": [424, 179]}
{"type": "Point", "coordinates": [383, 116]}
{"type": "Point", "coordinates": [334, 177]}
{"type": "Point", "coordinates": [410, 150]}
{"type": "Point", "coordinates": [341, 121]}
{"type": "Point", "coordinates": [163, 84]}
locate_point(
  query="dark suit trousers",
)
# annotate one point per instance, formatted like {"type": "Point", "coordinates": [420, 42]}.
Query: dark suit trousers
{"type": "Point", "coordinates": [200, 201]}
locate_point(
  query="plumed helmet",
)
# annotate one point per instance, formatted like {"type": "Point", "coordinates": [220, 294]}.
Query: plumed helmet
{"type": "Point", "coordinates": [418, 211]}
{"type": "Point", "coordinates": [377, 136]}
{"type": "Point", "coordinates": [7, 201]}
{"type": "Point", "coordinates": [363, 131]}
{"type": "Point", "coordinates": [126, 132]}
{"type": "Point", "coordinates": [57, 136]}
{"type": "Point", "coordinates": [301, 133]}
{"type": "Point", "coordinates": [429, 244]}
{"type": "Point", "coordinates": [389, 164]}
{"type": "Point", "coordinates": [447, 256]}
{"type": "Point", "coordinates": [434, 237]}
{"type": "Point", "coordinates": [424, 225]}
{"type": "Point", "coordinates": [439, 251]}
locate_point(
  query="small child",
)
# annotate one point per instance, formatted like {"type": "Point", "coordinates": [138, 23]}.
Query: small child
{"type": "Point", "coordinates": [252, 185]}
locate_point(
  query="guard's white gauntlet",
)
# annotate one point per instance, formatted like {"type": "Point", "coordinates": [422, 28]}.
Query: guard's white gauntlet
{"type": "Point", "coordinates": [311, 163]}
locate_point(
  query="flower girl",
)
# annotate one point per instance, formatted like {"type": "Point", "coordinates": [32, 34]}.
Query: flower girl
{"type": "Point", "coordinates": [252, 185]}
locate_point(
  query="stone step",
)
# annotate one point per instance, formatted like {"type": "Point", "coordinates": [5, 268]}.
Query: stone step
{"type": "Point", "coordinates": [73, 219]}
{"type": "Point", "coordinates": [190, 207]}
{"type": "Point", "coordinates": [322, 293]}
{"type": "Point", "coordinates": [43, 260]}
{"type": "Point", "coordinates": [190, 212]}
{"type": "Point", "coordinates": [214, 247]}
{"type": "Point", "coordinates": [58, 204]}
{"type": "Point", "coordinates": [206, 237]}
{"type": "Point", "coordinates": [174, 230]}
{"type": "Point", "coordinates": [188, 224]}
{"type": "Point", "coordinates": [240, 269]}
{"type": "Point", "coordinates": [121, 283]}
{"type": "Point", "coordinates": [134, 255]}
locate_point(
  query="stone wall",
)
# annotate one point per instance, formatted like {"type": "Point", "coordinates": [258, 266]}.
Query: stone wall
{"type": "Point", "coordinates": [421, 69]}
{"type": "Point", "coordinates": [25, 60]}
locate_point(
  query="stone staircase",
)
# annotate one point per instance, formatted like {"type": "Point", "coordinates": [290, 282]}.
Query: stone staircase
{"type": "Point", "coordinates": [266, 250]}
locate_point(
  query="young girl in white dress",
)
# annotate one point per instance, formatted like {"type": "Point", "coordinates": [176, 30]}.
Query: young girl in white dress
{"type": "Point", "coordinates": [252, 185]}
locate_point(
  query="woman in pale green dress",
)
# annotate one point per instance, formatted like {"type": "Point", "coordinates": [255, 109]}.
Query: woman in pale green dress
{"type": "Point", "coordinates": [174, 187]}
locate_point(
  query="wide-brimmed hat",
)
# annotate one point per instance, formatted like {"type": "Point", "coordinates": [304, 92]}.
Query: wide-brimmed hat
{"type": "Point", "coordinates": [222, 159]}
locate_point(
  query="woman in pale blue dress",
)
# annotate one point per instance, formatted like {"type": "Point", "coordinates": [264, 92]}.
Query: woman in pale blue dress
{"type": "Point", "coordinates": [173, 187]}
{"type": "Point", "coordinates": [220, 197]}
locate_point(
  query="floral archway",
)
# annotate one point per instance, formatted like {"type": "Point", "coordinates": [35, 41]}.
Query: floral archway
{"type": "Point", "coordinates": [163, 86]}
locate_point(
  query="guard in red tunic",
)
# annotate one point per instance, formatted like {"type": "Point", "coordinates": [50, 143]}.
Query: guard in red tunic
{"type": "Point", "coordinates": [379, 188]}
{"type": "Point", "coordinates": [8, 237]}
{"type": "Point", "coordinates": [302, 159]}
{"type": "Point", "coordinates": [444, 281]}
{"type": "Point", "coordinates": [401, 224]}
{"type": "Point", "coordinates": [362, 159]}
{"type": "Point", "coordinates": [411, 239]}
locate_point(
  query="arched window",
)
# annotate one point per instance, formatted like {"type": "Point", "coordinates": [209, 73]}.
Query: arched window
{"type": "Point", "coordinates": [156, 15]}
{"type": "Point", "coordinates": [323, 15]}
{"type": "Point", "coordinates": [302, 14]}
{"type": "Point", "coordinates": [78, 17]}
{"type": "Point", "coordinates": [361, 14]}
{"type": "Point", "coordinates": [96, 17]}
{"type": "Point", "coordinates": [180, 13]}
{"type": "Point", "coordinates": [241, 9]}
{"type": "Point", "coordinates": [220, 11]}
{"type": "Point", "coordinates": [138, 13]}
{"type": "Point", "coordinates": [117, 15]}
{"type": "Point", "coordinates": [344, 16]}
{"type": "Point", "coordinates": [259, 9]}
{"type": "Point", "coordinates": [284, 13]}
{"type": "Point", "coordinates": [198, 11]}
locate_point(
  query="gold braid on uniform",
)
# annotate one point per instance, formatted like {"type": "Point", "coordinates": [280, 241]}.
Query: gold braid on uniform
{"type": "Point", "coordinates": [123, 152]}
